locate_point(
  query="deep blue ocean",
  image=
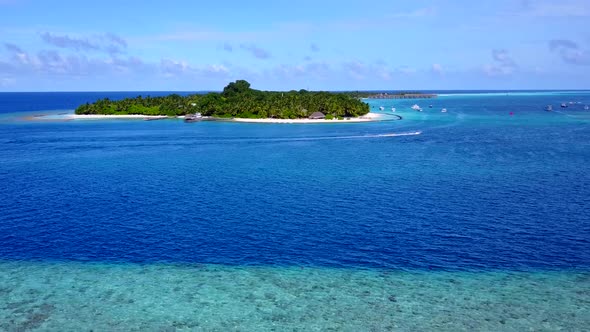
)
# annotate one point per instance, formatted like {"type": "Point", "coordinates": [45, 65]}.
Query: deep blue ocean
{"type": "Point", "coordinates": [495, 186]}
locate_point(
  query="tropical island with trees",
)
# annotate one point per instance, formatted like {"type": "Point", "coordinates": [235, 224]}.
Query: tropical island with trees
{"type": "Point", "coordinates": [237, 100]}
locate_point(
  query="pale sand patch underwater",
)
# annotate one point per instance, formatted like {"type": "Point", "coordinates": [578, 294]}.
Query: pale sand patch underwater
{"type": "Point", "coordinates": [157, 297]}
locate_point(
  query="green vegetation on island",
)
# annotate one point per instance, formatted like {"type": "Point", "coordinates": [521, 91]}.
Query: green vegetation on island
{"type": "Point", "coordinates": [237, 100]}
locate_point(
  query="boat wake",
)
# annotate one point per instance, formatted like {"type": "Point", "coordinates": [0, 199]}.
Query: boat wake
{"type": "Point", "coordinates": [564, 114]}
{"type": "Point", "coordinates": [411, 133]}
{"type": "Point", "coordinates": [322, 138]}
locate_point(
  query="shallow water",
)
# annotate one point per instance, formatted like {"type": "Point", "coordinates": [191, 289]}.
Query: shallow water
{"type": "Point", "coordinates": [477, 218]}
{"type": "Point", "coordinates": [124, 297]}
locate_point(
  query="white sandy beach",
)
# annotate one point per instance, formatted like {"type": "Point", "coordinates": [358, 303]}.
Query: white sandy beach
{"type": "Point", "coordinates": [366, 118]}
{"type": "Point", "coordinates": [103, 116]}
{"type": "Point", "coordinates": [67, 117]}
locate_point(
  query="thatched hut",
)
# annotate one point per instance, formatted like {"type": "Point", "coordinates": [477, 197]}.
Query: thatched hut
{"type": "Point", "coordinates": [317, 116]}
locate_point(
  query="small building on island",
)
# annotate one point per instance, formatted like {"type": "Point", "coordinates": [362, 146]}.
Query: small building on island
{"type": "Point", "coordinates": [317, 116]}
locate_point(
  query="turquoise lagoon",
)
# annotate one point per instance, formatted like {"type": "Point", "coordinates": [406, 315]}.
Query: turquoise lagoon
{"type": "Point", "coordinates": [157, 297]}
{"type": "Point", "coordinates": [480, 222]}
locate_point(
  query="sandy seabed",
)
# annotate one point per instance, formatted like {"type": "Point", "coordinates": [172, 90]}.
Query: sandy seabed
{"type": "Point", "coordinates": [68, 296]}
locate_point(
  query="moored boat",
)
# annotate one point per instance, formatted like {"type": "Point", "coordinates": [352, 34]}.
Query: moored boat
{"type": "Point", "coordinates": [549, 108]}
{"type": "Point", "coordinates": [193, 117]}
{"type": "Point", "coordinates": [444, 110]}
{"type": "Point", "coordinates": [415, 107]}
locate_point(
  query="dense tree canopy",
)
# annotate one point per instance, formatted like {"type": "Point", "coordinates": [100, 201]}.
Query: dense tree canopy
{"type": "Point", "coordinates": [236, 100]}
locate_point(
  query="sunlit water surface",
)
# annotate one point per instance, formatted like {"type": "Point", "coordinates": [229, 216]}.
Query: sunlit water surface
{"type": "Point", "coordinates": [474, 219]}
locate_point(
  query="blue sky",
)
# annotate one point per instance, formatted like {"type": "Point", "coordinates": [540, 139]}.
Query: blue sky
{"type": "Point", "coordinates": [330, 45]}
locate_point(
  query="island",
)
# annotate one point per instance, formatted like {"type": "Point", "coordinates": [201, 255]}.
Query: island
{"type": "Point", "coordinates": [238, 101]}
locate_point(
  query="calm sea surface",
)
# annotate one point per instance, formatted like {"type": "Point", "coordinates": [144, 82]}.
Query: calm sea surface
{"type": "Point", "coordinates": [479, 222]}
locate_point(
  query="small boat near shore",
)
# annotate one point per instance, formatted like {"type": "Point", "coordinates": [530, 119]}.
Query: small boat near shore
{"type": "Point", "coordinates": [563, 105]}
{"type": "Point", "coordinates": [393, 109]}
{"type": "Point", "coordinates": [417, 108]}
{"type": "Point", "coordinates": [381, 108]}
{"type": "Point", "coordinates": [549, 108]}
{"type": "Point", "coordinates": [193, 117]}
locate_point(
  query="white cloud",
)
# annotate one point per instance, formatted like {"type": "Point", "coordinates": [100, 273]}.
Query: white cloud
{"type": "Point", "coordinates": [356, 69]}
{"type": "Point", "coordinates": [359, 70]}
{"type": "Point", "coordinates": [227, 47]}
{"type": "Point", "coordinates": [216, 69]}
{"type": "Point", "coordinates": [52, 62]}
{"type": "Point", "coordinates": [502, 65]}
{"type": "Point", "coordinates": [7, 81]}
{"type": "Point", "coordinates": [570, 51]}
{"type": "Point", "coordinates": [179, 68]}
{"type": "Point", "coordinates": [108, 42]}
{"type": "Point", "coordinates": [406, 70]}
{"type": "Point", "coordinates": [437, 68]}
{"type": "Point", "coordinates": [420, 12]}
{"type": "Point", "coordinates": [553, 8]}
{"type": "Point", "coordinates": [256, 51]}
{"type": "Point", "coordinates": [317, 70]}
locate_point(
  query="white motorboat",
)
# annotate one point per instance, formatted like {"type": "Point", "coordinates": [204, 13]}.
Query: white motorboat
{"type": "Point", "coordinates": [193, 117]}
{"type": "Point", "coordinates": [415, 107]}
{"type": "Point", "coordinates": [444, 110]}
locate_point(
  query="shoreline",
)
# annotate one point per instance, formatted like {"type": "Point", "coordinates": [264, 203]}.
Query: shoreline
{"type": "Point", "coordinates": [113, 116]}
{"type": "Point", "coordinates": [370, 117]}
